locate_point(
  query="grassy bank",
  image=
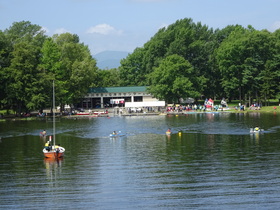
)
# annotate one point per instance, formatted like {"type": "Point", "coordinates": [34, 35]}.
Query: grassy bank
{"type": "Point", "coordinates": [273, 109]}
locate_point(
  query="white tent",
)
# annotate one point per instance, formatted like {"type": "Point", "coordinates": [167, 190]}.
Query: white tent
{"type": "Point", "coordinates": [145, 104]}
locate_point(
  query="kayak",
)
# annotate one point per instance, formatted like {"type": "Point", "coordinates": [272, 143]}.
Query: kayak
{"type": "Point", "coordinates": [116, 135]}
{"type": "Point", "coordinates": [255, 131]}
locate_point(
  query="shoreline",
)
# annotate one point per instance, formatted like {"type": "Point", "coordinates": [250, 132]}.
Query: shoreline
{"type": "Point", "coordinates": [266, 109]}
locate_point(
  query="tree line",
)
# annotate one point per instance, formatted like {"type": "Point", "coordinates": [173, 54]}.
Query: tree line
{"type": "Point", "coordinates": [185, 59]}
{"type": "Point", "coordinates": [188, 59]}
{"type": "Point", "coordinates": [30, 61]}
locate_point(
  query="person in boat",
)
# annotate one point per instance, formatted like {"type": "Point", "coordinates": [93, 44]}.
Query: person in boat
{"type": "Point", "coordinates": [256, 129]}
{"type": "Point", "coordinates": [114, 133]}
{"type": "Point", "coordinates": [168, 131]}
{"type": "Point", "coordinates": [57, 148]}
{"type": "Point", "coordinates": [44, 133]}
{"type": "Point", "coordinates": [48, 146]}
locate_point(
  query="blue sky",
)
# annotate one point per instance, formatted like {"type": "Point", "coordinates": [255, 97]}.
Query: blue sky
{"type": "Point", "coordinates": [123, 25]}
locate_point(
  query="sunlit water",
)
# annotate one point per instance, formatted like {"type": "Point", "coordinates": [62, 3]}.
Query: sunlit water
{"type": "Point", "coordinates": [214, 164]}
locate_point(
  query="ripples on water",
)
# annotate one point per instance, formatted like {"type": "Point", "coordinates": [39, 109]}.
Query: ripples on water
{"type": "Point", "coordinates": [214, 164]}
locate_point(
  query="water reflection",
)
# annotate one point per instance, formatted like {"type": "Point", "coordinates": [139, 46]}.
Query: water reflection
{"type": "Point", "coordinates": [53, 167]}
{"type": "Point", "coordinates": [52, 163]}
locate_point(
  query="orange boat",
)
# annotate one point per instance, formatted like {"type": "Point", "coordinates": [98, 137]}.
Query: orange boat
{"type": "Point", "coordinates": [55, 151]}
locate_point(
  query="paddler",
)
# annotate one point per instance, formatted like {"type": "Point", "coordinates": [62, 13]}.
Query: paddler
{"type": "Point", "coordinates": [168, 132]}
{"type": "Point", "coordinates": [44, 133]}
{"type": "Point", "coordinates": [47, 145]}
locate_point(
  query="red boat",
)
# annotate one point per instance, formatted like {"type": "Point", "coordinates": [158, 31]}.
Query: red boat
{"type": "Point", "coordinates": [83, 113]}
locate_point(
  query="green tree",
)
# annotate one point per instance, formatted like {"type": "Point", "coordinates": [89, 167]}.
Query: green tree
{"type": "Point", "coordinates": [244, 58]}
{"type": "Point", "coordinates": [78, 69]}
{"type": "Point", "coordinates": [108, 78]}
{"type": "Point", "coordinates": [22, 86]}
{"type": "Point", "coordinates": [213, 87]}
{"type": "Point", "coordinates": [131, 69]}
{"type": "Point", "coordinates": [4, 63]}
{"type": "Point", "coordinates": [192, 41]}
{"type": "Point", "coordinates": [270, 76]}
{"type": "Point", "coordinates": [173, 79]}
{"type": "Point", "coordinates": [230, 58]}
{"type": "Point", "coordinates": [24, 42]}
{"type": "Point", "coordinates": [50, 69]}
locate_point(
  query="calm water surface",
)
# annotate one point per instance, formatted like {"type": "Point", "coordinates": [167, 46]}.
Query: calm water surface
{"type": "Point", "coordinates": [215, 164]}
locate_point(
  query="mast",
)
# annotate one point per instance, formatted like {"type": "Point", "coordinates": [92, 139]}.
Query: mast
{"type": "Point", "coordinates": [53, 116]}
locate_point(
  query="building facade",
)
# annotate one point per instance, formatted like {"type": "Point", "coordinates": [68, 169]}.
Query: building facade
{"type": "Point", "coordinates": [136, 96]}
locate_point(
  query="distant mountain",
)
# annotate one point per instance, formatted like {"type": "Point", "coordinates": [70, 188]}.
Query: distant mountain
{"type": "Point", "coordinates": [109, 59]}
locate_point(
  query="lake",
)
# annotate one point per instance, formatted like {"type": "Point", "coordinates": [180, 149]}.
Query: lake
{"type": "Point", "coordinates": [211, 161]}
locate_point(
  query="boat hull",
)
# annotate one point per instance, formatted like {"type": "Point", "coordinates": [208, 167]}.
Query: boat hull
{"type": "Point", "coordinates": [100, 113]}
{"type": "Point", "coordinates": [54, 153]}
{"type": "Point", "coordinates": [116, 135]}
{"type": "Point", "coordinates": [83, 113]}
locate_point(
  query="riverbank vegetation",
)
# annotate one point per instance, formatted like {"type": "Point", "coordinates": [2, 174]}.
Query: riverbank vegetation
{"type": "Point", "coordinates": [185, 59]}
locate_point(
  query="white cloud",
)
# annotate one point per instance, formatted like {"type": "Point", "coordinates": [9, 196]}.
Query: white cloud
{"type": "Point", "coordinates": [275, 26]}
{"type": "Point", "coordinates": [103, 29]}
{"type": "Point", "coordinates": [61, 31]}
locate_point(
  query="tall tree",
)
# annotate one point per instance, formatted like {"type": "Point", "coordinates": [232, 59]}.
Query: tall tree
{"type": "Point", "coordinates": [244, 58]}
{"type": "Point", "coordinates": [192, 41]}
{"type": "Point", "coordinates": [131, 69]}
{"type": "Point", "coordinates": [23, 78]}
{"type": "Point", "coordinates": [78, 68]}
{"type": "Point", "coordinates": [26, 41]}
{"type": "Point", "coordinates": [4, 63]}
{"type": "Point", "coordinates": [230, 58]}
{"type": "Point", "coordinates": [270, 76]}
{"type": "Point", "coordinates": [173, 79]}
{"type": "Point", "coordinates": [50, 69]}
{"type": "Point", "coordinates": [108, 78]}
